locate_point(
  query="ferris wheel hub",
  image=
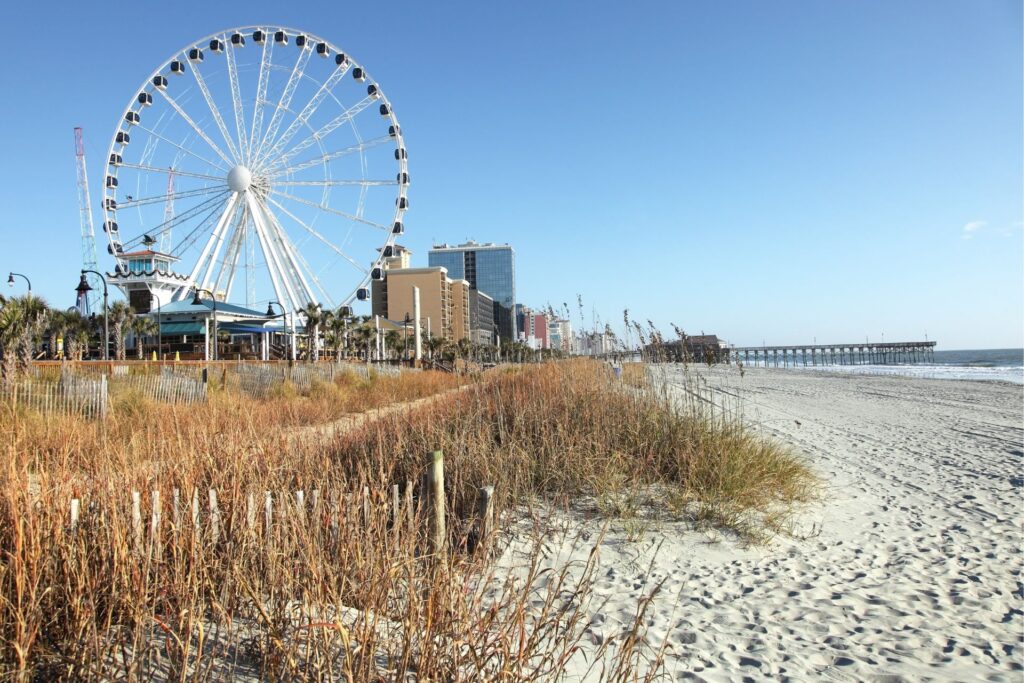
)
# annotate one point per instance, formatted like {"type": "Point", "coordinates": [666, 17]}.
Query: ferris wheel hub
{"type": "Point", "coordinates": [239, 178]}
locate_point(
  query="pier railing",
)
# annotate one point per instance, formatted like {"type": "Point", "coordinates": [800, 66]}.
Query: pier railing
{"type": "Point", "coordinates": [883, 353]}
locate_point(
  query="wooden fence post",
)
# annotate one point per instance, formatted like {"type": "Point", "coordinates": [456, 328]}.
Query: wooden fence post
{"type": "Point", "coordinates": [214, 517]}
{"type": "Point", "coordinates": [268, 513]}
{"type": "Point", "coordinates": [103, 396]}
{"type": "Point", "coordinates": [410, 511]}
{"type": "Point", "coordinates": [396, 507]}
{"type": "Point", "coordinates": [137, 520]}
{"type": "Point", "coordinates": [435, 474]}
{"type": "Point", "coordinates": [154, 526]}
{"type": "Point", "coordinates": [300, 505]}
{"type": "Point", "coordinates": [485, 510]}
{"type": "Point", "coordinates": [195, 520]}
{"type": "Point", "coordinates": [366, 507]}
{"type": "Point", "coordinates": [250, 512]}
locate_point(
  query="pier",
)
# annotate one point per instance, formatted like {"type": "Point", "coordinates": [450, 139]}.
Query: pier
{"type": "Point", "coordinates": [886, 353]}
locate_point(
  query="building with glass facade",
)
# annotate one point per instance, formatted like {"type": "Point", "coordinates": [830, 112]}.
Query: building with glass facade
{"type": "Point", "coordinates": [489, 268]}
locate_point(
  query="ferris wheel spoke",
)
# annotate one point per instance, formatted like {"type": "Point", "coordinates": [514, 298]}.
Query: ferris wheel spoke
{"type": "Point", "coordinates": [189, 174]}
{"type": "Point", "coordinates": [292, 257]}
{"type": "Point", "coordinates": [164, 228]}
{"type": "Point", "coordinates": [334, 183]}
{"type": "Point", "coordinates": [275, 170]}
{"type": "Point", "coordinates": [199, 131]}
{"type": "Point", "coordinates": [195, 233]}
{"type": "Point", "coordinates": [330, 245]}
{"type": "Point", "coordinates": [327, 209]}
{"type": "Point", "coordinates": [229, 234]}
{"type": "Point", "coordinates": [239, 246]}
{"type": "Point", "coordinates": [216, 235]}
{"type": "Point", "coordinates": [180, 148]}
{"type": "Point", "coordinates": [284, 102]}
{"type": "Point", "coordinates": [236, 101]}
{"type": "Point", "coordinates": [321, 133]}
{"type": "Point", "coordinates": [213, 108]}
{"type": "Point", "coordinates": [282, 286]}
{"type": "Point", "coordinates": [227, 265]}
{"type": "Point", "coordinates": [163, 198]}
{"type": "Point", "coordinates": [261, 95]}
{"type": "Point", "coordinates": [307, 111]}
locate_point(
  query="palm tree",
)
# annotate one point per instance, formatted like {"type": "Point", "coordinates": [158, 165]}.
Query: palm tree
{"type": "Point", "coordinates": [22, 320]}
{"type": "Point", "coordinates": [336, 325]}
{"type": "Point", "coordinates": [58, 327]}
{"type": "Point", "coordinates": [120, 317]}
{"type": "Point", "coordinates": [314, 317]}
{"type": "Point", "coordinates": [142, 326]}
{"type": "Point", "coordinates": [392, 342]}
{"type": "Point", "coordinates": [433, 345]}
{"type": "Point", "coordinates": [76, 335]}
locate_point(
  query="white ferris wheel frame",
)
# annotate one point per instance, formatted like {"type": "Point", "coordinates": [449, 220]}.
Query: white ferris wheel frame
{"type": "Point", "coordinates": [269, 152]}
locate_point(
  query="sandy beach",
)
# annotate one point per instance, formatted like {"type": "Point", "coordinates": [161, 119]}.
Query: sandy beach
{"type": "Point", "coordinates": [909, 569]}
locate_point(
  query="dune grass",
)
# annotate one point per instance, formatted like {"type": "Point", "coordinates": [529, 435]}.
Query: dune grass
{"type": "Point", "coordinates": [344, 590]}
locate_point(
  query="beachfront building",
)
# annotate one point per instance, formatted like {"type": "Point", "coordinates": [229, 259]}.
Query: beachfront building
{"type": "Point", "coordinates": [699, 348]}
{"type": "Point", "coordinates": [186, 329]}
{"type": "Point", "coordinates": [489, 268]}
{"type": "Point", "coordinates": [532, 327]}
{"type": "Point", "coordinates": [560, 335]}
{"type": "Point", "coordinates": [444, 302]}
{"type": "Point", "coordinates": [482, 326]}
{"type": "Point", "coordinates": [595, 343]}
{"type": "Point", "coordinates": [148, 280]}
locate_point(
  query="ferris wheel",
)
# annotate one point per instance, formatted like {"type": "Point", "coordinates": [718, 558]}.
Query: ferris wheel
{"type": "Point", "coordinates": [259, 163]}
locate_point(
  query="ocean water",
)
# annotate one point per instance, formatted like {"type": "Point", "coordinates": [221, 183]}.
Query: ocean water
{"type": "Point", "coordinates": [1003, 365]}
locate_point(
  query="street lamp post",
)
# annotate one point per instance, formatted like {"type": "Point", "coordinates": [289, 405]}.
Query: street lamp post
{"type": "Point", "coordinates": [284, 315]}
{"type": "Point", "coordinates": [83, 286]}
{"type": "Point", "coordinates": [405, 338]}
{"type": "Point", "coordinates": [10, 280]}
{"type": "Point", "coordinates": [159, 333]}
{"type": "Point", "coordinates": [196, 301]}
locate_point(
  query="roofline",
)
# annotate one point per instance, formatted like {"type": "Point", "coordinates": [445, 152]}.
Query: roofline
{"type": "Point", "coordinates": [423, 270]}
{"type": "Point", "coordinates": [441, 248]}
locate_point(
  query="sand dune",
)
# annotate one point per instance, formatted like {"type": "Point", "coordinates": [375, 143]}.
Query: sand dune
{"type": "Point", "coordinates": [912, 567]}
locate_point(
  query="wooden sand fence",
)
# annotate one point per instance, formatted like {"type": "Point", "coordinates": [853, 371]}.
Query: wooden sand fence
{"type": "Point", "coordinates": [166, 523]}
{"type": "Point", "coordinates": [70, 395]}
{"type": "Point", "coordinates": [166, 387]}
{"type": "Point", "coordinates": [259, 379]}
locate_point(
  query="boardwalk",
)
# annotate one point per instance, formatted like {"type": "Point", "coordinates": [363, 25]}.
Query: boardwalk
{"type": "Point", "coordinates": [892, 353]}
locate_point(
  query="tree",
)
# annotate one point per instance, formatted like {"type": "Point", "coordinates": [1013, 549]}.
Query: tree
{"type": "Point", "coordinates": [120, 317]}
{"type": "Point", "coordinates": [392, 342]}
{"type": "Point", "coordinates": [434, 345]}
{"type": "Point", "coordinates": [142, 326]}
{"type": "Point", "coordinates": [22, 320]}
{"type": "Point", "coordinates": [314, 317]}
{"type": "Point", "coordinates": [78, 330]}
{"type": "Point", "coordinates": [58, 328]}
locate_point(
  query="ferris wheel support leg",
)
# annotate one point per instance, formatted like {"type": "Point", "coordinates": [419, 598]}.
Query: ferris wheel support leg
{"type": "Point", "coordinates": [290, 258]}
{"type": "Point", "coordinates": [230, 262]}
{"type": "Point", "coordinates": [281, 287]}
{"type": "Point", "coordinates": [215, 235]}
{"type": "Point", "coordinates": [231, 226]}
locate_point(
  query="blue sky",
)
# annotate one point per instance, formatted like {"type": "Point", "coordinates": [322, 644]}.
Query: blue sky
{"type": "Point", "coordinates": [764, 171]}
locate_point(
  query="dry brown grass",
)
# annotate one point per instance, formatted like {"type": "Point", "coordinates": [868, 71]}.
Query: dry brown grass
{"type": "Point", "coordinates": [335, 592]}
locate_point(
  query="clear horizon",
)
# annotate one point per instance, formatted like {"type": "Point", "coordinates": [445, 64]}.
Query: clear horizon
{"type": "Point", "coordinates": [783, 172]}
